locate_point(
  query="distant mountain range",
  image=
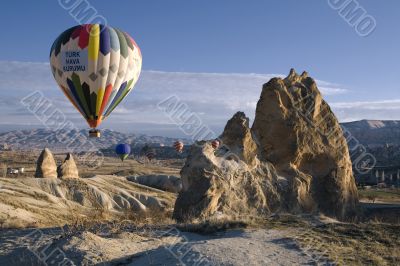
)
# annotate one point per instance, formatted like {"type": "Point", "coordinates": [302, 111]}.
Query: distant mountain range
{"type": "Point", "coordinates": [77, 140]}
{"type": "Point", "coordinates": [374, 133]}
{"type": "Point", "coordinates": [371, 133]}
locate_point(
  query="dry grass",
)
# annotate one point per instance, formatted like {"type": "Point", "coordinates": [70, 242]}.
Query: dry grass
{"type": "Point", "coordinates": [368, 243]}
{"type": "Point", "coordinates": [389, 195]}
{"type": "Point", "coordinates": [371, 243]}
{"type": "Point", "coordinates": [101, 222]}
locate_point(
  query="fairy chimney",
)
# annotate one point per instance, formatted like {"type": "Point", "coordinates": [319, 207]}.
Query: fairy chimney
{"type": "Point", "coordinates": [46, 166]}
{"type": "Point", "coordinates": [68, 168]}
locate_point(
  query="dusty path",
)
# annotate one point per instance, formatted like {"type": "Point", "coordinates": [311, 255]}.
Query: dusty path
{"type": "Point", "coordinates": [249, 247]}
{"type": "Point", "coordinates": [168, 247]}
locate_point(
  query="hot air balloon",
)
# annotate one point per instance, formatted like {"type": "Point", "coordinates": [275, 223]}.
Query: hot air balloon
{"type": "Point", "coordinates": [95, 66]}
{"type": "Point", "coordinates": [178, 145]}
{"type": "Point", "coordinates": [215, 143]}
{"type": "Point", "coordinates": [149, 152]}
{"type": "Point", "coordinates": [123, 150]}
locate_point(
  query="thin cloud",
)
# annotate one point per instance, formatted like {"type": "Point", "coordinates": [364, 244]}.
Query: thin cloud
{"type": "Point", "coordinates": [372, 110]}
{"type": "Point", "coordinates": [370, 105]}
{"type": "Point", "coordinates": [216, 96]}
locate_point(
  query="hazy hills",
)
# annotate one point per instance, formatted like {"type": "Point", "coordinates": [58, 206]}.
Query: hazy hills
{"type": "Point", "coordinates": [76, 140]}
{"type": "Point", "coordinates": [375, 132]}
{"type": "Point", "coordinates": [368, 132]}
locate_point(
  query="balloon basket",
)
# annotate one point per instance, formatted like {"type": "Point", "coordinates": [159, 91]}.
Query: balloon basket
{"type": "Point", "coordinates": [94, 133]}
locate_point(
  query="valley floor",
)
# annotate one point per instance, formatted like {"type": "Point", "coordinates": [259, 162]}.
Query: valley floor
{"type": "Point", "coordinates": [159, 247]}
{"type": "Point", "coordinates": [279, 240]}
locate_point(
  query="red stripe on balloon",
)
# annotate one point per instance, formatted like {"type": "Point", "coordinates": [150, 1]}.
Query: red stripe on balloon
{"type": "Point", "coordinates": [105, 98]}
{"type": "Point", "coordinates": [84, 36]}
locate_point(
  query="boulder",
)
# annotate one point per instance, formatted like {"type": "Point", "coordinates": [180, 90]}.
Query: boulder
{"type": "Point", "coordinates": [293, 159]}
{"type": "Point", "coordinates": [221, 183]}
{"type": "Point", "coordinates": [46, 166]}
{"type": "Point", "coordinates": [68, 168]}
{"type": "Point", "coordinates": [162, 182]}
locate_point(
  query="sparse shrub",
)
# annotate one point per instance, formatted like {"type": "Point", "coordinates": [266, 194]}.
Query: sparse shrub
{"type": "Point", "coordinates": [371, 198]}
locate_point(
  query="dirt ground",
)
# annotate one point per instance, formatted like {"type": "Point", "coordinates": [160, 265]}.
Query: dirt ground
{"type": "Point", "coordinates": [152, 246]}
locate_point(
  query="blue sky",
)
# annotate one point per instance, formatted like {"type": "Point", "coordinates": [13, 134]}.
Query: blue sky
{"type": "Point", "coordinates": [226, 36]}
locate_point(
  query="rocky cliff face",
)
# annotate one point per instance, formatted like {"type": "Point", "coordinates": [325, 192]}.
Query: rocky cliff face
{"type": "Point", "coordinates": [294, 158]}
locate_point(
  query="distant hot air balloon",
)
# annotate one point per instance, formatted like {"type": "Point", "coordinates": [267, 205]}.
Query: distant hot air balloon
{"type": "Point", "coordinates": [123, 150]}
{"type": "Point", "coordinates": [95, 66]}
{"type": "Point", "coordinates": [215, 143]}
{"type": "Point", "coordinates": [178, 145]}
{"type": "Point", "coordinates": [149, 152]}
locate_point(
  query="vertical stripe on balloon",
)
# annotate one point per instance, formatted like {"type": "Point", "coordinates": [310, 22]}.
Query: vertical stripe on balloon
{"type": "Point", "coordinates": [106, 96]}
{"type": "Point", "coordinates": [105, 42]}
{"type": "Point", "coordinates": [72, 100]}
{"type": "Point", "coordinates": [78, 88]}
{"type": "Point", "coordinates": [86, 92]}
{"type": "Point", "coordinates": [116, 104]}
{"type": "Point", "coordinates": [93, 54]}
{"type": "Point", "coordinates": [128, 41]}
{"type": "Point", "coordinates": [114, 41]}
{"type": "Point", "coordinates": [94, 42]}
{"type": "Point", "coordinates": [77, 94]}
{"type": "Point", "coordinates": [84, 36]}
{"type": "Point", "coordinates": [122, 43]}
{"type": "Point", "coordinates": [93, 99]}
{"type": "Point", "coordinates": [136, 46]}
{"type": "Point", "coordinates": [104, 54]}
{"type": "Point", "coordinates": [116, 96]}
{"type": "Point", "coordinates": [100, 95]}
{"type": "Point", "coordinates": [122, 92]}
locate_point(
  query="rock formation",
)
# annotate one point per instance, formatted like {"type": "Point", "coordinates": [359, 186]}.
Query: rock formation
{"type": "Point", "coordinates": [46, 166]}
{"type": "Point", "coordinates": [294, 159]}
{"type": "Point", "coordinates": [59, 201]}
{"type": "Point", "coordinates": [68, 168]}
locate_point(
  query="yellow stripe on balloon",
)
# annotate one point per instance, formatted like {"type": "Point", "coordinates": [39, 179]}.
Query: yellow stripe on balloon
{"type": "Point", "coordinates": [100, 95]}
{"type": "Point", "coordinates": [94, 42]}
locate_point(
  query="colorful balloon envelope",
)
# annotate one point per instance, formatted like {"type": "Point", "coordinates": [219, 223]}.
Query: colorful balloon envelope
{"type": "Point", "coordinates": [96, 67]}
{"type": "Point", "coordinates": [215, 144]}
{"type": "Point", "coordinates": [123, 150]}
{"type": "Point", "coordinates": [151, 154]}
{"type": "Point", "coordinates": [178, 145]}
